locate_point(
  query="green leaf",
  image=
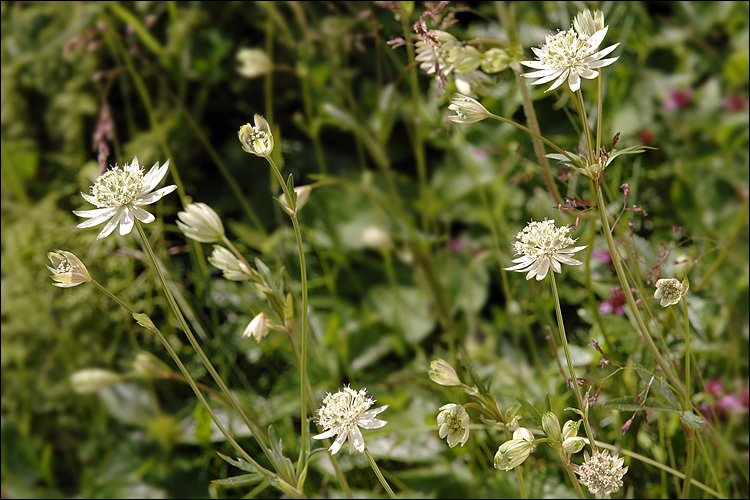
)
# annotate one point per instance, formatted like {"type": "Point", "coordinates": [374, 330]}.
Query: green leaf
{"type": "Point", "coordinates": [239, 463]}
{"type": "Point", "coordinates": [535, 414]}
{"type": "Point", "coordinates": [237, 481]}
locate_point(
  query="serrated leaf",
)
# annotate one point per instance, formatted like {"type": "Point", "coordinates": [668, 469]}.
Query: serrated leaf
{"type": "Point", "coordinates": [239, 463]}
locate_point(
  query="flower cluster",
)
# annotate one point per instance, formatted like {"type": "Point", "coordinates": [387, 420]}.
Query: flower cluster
{"type": "Point", "coordinates": [601, 473]}
{"type": "Point", "coordinates": [541, 246]}
{"type": "Point", "coordinates": [572, 54]}
{"type": "Point", "coordinates": [343, 413]}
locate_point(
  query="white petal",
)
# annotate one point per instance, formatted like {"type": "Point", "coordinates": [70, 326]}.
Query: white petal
{"type": "Point", "coordinates": [111, 225]}
{"type": "Point", "coordinates": [588, 74]}
{"type": "Point", "coordinates": [603, 62]}
{"type": "Point", "coordinates": [598, 37]}
{"type": "Point", "coordinates": [135, 163]}
{"type": "Point", "coordinates": [154, 176]}
{"type": "Point", "coordinates": [126, 222]}
{"type": "Point", "coordinates": [534, 64]}
{"type": "Point", "coordinates": [142, 215]}
{"type": "Point", "coordinates": [371, 423]}
{"type": "Point", "coordinates": [325, 435]}
{"type": "Point", "coordinates": [149, 198]}
{"type": "Point", "coordinates": [97, 212]}
{"type": "Point", "coordinates": [523, 267]}
{"type": "Point", "coordinates": [601, 53]}
{"type": "Point", "coordinates": [543, 269]}
{"type": "Point", "coordinates": [568, 260]}
{"type": "Point", "coordinates": [541, 73]}
{"type": "Point", "coordinates": [356, 439]}
{"type": "Point", "coordinates": [549, 78]}
{"type": "Point", "coordinates": [556, 265]}
{"type": "Point", "coordinates": [559, 81]}
{"type": "Point", "coordinates": [88, 198]}
{"type": "Point", "coordinates": [338, 443]}
{"type": "Point", "coordinates": [371, 413]}
{"type": "Point", "coordinates": [537, 52]}
{"type": "Point", "coordinates": [574, 82]}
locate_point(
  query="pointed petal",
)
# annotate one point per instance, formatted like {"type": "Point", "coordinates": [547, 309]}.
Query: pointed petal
{"type": "Point", "coordinates": [356, 439]}
{"type": "Point", "coordinates": [109, 227]}
{"type": "Point", "coordinates": [574, 82]}
{"type": "Point", "coordinates": [568, 260]}
{"type": "Point", "coordinates": [588, 74]}
{"type": "Point", "coordinates": [521, 268]}
{"type": "Point", "coordinates": [96, 220]}
{"type": "Point", "coordinates": [154, 176]}
{"type": "Point", "coordinates": [556, 266]}
{"type": "Point", "coordinates": [371, 423]}
{"type": "Point", "coordinates": [541, 73]}
{"type": "Point", "coordinates": [88, 198]}
{"type": "Point", "coordinates": [325, 435]}
{"type": "Point", "coordinates": [95, 212]}
{"type": "Point", "coordinates": [549, 78]}
{"type": "Point", "coordinates": [338, 443]}
{"type": "Point", "coordinates": [601, 53]}
{"type": "Point", "coordinates": [559, 81]}
{"type": "Point", "coordinates": [371, 413]}
{"type": "Point", "coordinates": [142, 215]}
{"type": "Point", "coordinates": [598, 37]}
{"type": "Point", "coordinates": [149, 198]}
{"type": "Point", "coordinates": [603, 62]}
{"type": "Point", "coordinates": [534, 64]}
{"type": "Point", "coordinates": [126, 222]}
{"type": "Point", "coordinates": [543, 269]}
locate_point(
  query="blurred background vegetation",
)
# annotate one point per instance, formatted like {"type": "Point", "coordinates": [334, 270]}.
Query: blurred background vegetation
{"type": "Point", "coordinates": [89, 84]}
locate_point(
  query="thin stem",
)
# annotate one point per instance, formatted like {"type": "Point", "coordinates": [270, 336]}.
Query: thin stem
{"type": "Point", "coordinates": [586, 129]}
{"type": "Point", "coordinates": [254, 428]}
{"type": "Point", "coordinates": [625, 285]}
{"type": "Point", "coordinates": [599, 105]}
{"type": "Point", "coordinates": [564, 341]}
{"type": "Point", "coordinates": [689, 434]}
{"type": "Point", "coordinates": [303, 323]}
{"type": "Point", "coordinates": [376, 469]}
{"type": "Point", "coordinates": [521, 484]}
{"type": "Point", "coordinates": [573, 479]}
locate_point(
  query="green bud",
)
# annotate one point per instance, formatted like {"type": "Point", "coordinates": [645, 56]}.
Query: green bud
{"type": "Point", "coordinates": [570, 429]}
{"type": "Point", "coordinates": [495, 61]}
{"type": "Point", "coordinates": [551, 427]}
{"type": "Point", "coordinates": [441, 372]}
{"type": "Point", "coordinates": [513, 453]}
{"type": "Point", "coordinates": [573, 444]}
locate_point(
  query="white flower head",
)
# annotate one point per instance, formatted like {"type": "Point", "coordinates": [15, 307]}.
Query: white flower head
{"type": "Point", "coordinates": [466, 109]}
{"type": "Point", "coordinates": [67, 269]}
{"type": "Point", "coordinates": [253, 62]}
{"type": "Point", "coordinates": [571, 55]}
{"type": "Point", "coordinates": [453, 424]}
{"type": "Point", "coordinates": [233, 268]}
{"type": "Point", "coordinates": [601, 473]}
{"type": "Point", "coordinates": [541, 246]}
{"type": "Point", "coordinates": [434, 50]}
{"type": "Point", "coordinates": [119, 193]}
{"type": "Point", "coordinates": [670, 291]}
{"type": "Point", "coordinates": [199, 222]}
{"type": "Point", "coordinates": [257, 140]}
{"type": "Point", "coordinates": [343, 413]}
{"type": "Point", "coordinates": [257, 328]}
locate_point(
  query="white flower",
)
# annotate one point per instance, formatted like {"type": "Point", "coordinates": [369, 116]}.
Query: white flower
{"type": "Point", "coordinates": [119, 193]}
{"type": "Point", "coordinates": [542, 245]}
{"type": "Point", "coordinates": [199, 222]}
{"type": "Point", "coordinates": [433, 51]}
{"type": "Point", "coordinates": [93, 380]}
{"type": "Point", "coordinates": [587, 23]}
{"type": "Point", "coordinates": [453, 423]}
{"type": "Point", "coordinates": [467, 110]}
{"type": "Point", "coordinates": [253, 62]}
{"type": "Point", "coordinates": [233, 268]}
{"type": "Point", "coordinates": [670, 291]}
{"type": "Point", "coordinates": [601, 473]}
{"type": "Point", "coordinates": [303, 196]}
{"type": "Point", "coordinates": [375, 237]}
{"type": "Point", "coordinates": [343, 413]}
{"type": "Point", "coordinates": [257, 140]}
{"type": "Point", "coordinates": [67, 270]}
{"type": "Point", "coordinates": [258, 327]}
{"type": "Point", "coordinates": [570, 55]}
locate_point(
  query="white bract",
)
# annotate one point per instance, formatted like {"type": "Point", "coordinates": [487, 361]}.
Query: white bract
{"type": "Point", "coordinates": [343, 413]}
{"type": "Point", "coordinates": [199, 222]}
{"type": "Point", "coordinates": [257, 328]}
{"type": "Point", "coordinates": [119, 193]}
{"type": "Point", "coordinates": [572, 54]}
{"type": "Point", "coordinates": [542, 246]}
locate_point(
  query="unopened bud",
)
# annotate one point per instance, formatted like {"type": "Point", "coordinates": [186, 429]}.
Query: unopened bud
{"type": "Point", "coordinates": [570, 429]}
{"type": "Point", "coordinates": [257, 328]}
{"type": "Point", "coordinates": [67, 270]}
{"type": "Point", "coordinates": [93, 380]}
{"type": "Point", "coordinates": [512, 453]}
{"type": "Point", "coordinates": [199, 222]}
{"type": "Point", "coordinates": [573, 444]}
{"type": "Point", "coordinates": [551, 426]}
{"type": "Point", "coordinates": [523, 433]}
{"type": "Point", "coordinates": [441, 372]}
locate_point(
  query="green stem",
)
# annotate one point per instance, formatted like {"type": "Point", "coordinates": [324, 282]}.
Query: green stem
{"type": "Point", "coordinates": [599, 105]}
{"type": "Point", "coordinates": [564, 341]}
{"type": "Point", "coordinates": [573, 479]}
{"type": "Point", "coordinates": [521, 484]}
{"type": "Point", "coordinates": [376, 469]}
{"type": "Point", "coordinates": [690, 462]}
{"type": "Point", "coordinates": [688, 405]}
{"type": "Point", "coordinates": [303, 325]}
{"type": "Point", "coordinates": [191, 381]}
{"type": "Point", "coordinates": [625, 285]}
{"type": "Point", "coordinates": [254, 428]}
{"type": "Point", "coordinates": [586, 129]}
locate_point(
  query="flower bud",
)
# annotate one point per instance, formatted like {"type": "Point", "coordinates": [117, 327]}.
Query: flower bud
{"type": "Point", "coordinates": [467, 110]}
{"type": "Point", "coordinates": [441, 372]}
{"type": "Point", "coordinates": [303, 195]}
{"type": "Point", "coordinates": [551, 426]}
{"type": "Point", "coordinates": [67, 270]}
{"type": "Point", "coordinates": [523, 433]}
{"type": "Point", "coordinates": [93, 380]}
{"type": "Point", "coordinates": [148, 365]}
{"type": "Point", "coordinates": [587, 23]}
{"type": "Point", "coordinates": [233, 268]}
{"type": "Point", "coordinates": [570, 429]}
{"type": "Point", "coordinates": [573, 444]}
{"type": "Point", "coordinates": [253, 62]}
{"type": "Point", "coordinates": [453, 423]}
{"type": "Point", "coordinates": [495, 60]}
{"type": "Point", "coordinates": [466, 58]}
{"type": "Point", "coordinates": [257, 140]}
{"type": "Point", "coordinates": [199, 222]}
{"type": "Point", "coordinates": [258, 327]}
{"type": "Point", "coordinates": [512, 453]}
{"type": "Point", "coordinates": [375, 237]}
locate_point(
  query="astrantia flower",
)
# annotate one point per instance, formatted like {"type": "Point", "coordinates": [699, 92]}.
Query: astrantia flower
{"type": "Point", "coordinates": [434, 49]}
{"type": "Point", "coordinates": [67, 270]}
{"type": "Point", "coordinates": [233, 268]}
{"type": "Point", "coordinates": [601, 473]}
{"type": "Point", "coordinates": [257, 328]}
{"type": "Point", "coordinates": [542, 245]}
{"type": "Point", "coordinates": [453, 424]}
{"type": "Point", "coordinates": [588, 23]}
{"type": "Point", "coordinates": [343, 413]}
{"type": "Point", "coordinates": [570, 55]}
{"type": "Point", "coordinates": [119, 193]}
{"type": "Point", "coordinates": [467, 110]}
{"type": "Point", "coordinates": [670, 291]}
{"type": "Point", "coordinates": [253, 62]}
{"type": "Point", "coordinates": [257, 140]}
{"type": "Point", "coordinates": [199, 222]}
